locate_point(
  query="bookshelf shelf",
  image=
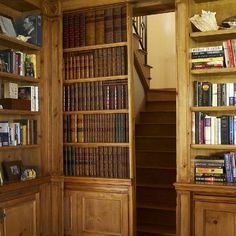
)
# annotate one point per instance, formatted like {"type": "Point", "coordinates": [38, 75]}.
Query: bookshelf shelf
{"type": "Point", "coordinates": [213, 147]}
{"type": "Point", "coordinates": [214, 109]}
{"type": "Point", "coordinates": [216, 35]}
{"type": "Point", "coordinates": [105, 78]}
{"type": "Point", "coordinates": [18, 78]}
{"type": "Point", "coordinates": [16, 44]}
{"type": "Point", "coordinates": [7, 148]}
{"type": "Point", "coordinates": [97, 112]}
{"type": "Point", "coordinates": [22, 5]}
{"type": "Point", "coordinates": [218, 71]}
{"type": "Point", "coordinates": [18, 112]}
{"type": "Point", "coordinates": [86, 48]}
{"type": "Point", "coordinates": [97, 144]}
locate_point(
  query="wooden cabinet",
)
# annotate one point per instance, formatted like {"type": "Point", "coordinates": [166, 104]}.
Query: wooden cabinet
{"type": "Point", "coordinates": [95, 207]}
{"type": "Point", "coordinates": [21, 216]}
{"type": "Point", "coordinates": [214, 216]}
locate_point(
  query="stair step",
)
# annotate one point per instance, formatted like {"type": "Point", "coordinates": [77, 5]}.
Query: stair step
{"type": "Point", "coordinates": [156, 158]}
{"type": "Point", "coordinates": [155, 230]}
{"type": "Point", "coordinates": [155, 196]}
{"type": "Point", "coordinates": [155, 129]}
{"type": "Point", "coordinates": [159, 117]}
{"type": "Point", "coordinates": [160, 106]}
{"type": "Point", "coordinates": [156, 216]}
{"type": "Point", "coordinates": [156, 176]}
{"type": "Point", "coordinates": [161, 95]}
{"type": "Point", "coordinates": [160, 143]}
{"type": "Point", "coordinates": [166, 207]}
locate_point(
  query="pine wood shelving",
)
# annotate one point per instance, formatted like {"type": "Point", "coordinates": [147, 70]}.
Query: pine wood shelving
{"type": "Point", "coordinates": [214, 109]}
{"type": "Point", "coordinates": [18, 112]}
{"type": "Point", "coordinates": [93, 47]}
{"type": "Point", "coordinates": [213, 147]}
{"type": "Point", "coordinates": [97, 111]}
{"type": "Point", "coordinates": [218, 71]}
{"type": "Point", "coordinates": [215, 35]}
{"type": "Point", "coordinates": [97, 144]}
{"type": "Point", "coordinates": [17, 78]}
{"type": "Point", "coordinates": [105, 78]}
{"type": "Point", "coordinates": [11, 42]}
{"type": "Point", "coordinates": [7, 148]}
{"type": "Point", "coordinates": [22, 5]}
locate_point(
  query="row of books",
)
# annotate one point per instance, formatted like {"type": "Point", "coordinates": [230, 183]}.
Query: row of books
{"type": "Point", "coordinates": [212, 94]}
{"type": "Point", "coordinates": [94, 27]}
{"type": "Point", "coordinates": [18, 132]}
{"type": "Point", "coordinates": [14, 91]}
{"type": "Point", "coordinates": [213, 130]}
{"type": "Point", "coordinates": [18, 63]}
{"type": "Point", "coordinates": [97, 95]}
{"type": "Point", "coordinates": [107, 162]}
{"type": "Point", "coordinates": [210, 168]}
{"type": "Point", "coordinates": [95, 128]}
{"type": "Point", "coordinates": [97, 63]}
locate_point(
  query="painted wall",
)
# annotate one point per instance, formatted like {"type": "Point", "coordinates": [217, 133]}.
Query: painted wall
{"type": "Point", "coordinates": [162, 50]}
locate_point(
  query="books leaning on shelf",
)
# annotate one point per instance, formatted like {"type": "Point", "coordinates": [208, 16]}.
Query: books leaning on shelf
{"type": "Point", "coordinates": [106, 162]}
{"type": "Point", "coordinates": [18, 132]}
{"type": "Point", "coordinates": [17, 62]}
{"type": "Point", "coordinates": [97, 26]}
{"type": "Point", "coordinates": [212, 94]}
{"type": "Point", "coordinates": [213, 130]}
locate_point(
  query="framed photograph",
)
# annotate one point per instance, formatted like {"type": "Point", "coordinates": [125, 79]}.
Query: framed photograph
{"type": "Point", "coordinates": [7, 27]}
{"type": "Point", "coordinates": [12, 170]}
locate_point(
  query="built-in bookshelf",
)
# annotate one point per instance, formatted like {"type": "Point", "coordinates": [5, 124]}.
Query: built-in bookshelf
{"type": "Point", "coordinates": [20, 88]}
{"type": "Point", "coordinates": [95, 93]}
{"type": "Point", "coordinates": [213, 109]}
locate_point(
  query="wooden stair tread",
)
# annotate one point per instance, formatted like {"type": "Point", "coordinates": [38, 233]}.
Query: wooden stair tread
{"type": "Point", "coordinates": [165, 207]}
{"type": "Point", "coordinates": [155, 151]}
{"type": "Point", "coordinates": [164, 230]}
{"type": "Point", "coordinates": [166, 186]}
{"type": "Point", "coordinates": [156, 137]}
{"type": "Point", "coordinates": [146, 123]}
{"type": "Point", "coordinates": [157, 167]}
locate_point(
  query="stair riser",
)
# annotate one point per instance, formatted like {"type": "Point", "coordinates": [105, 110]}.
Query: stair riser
{"type": "Point", "coordinates": [161, 96]}
{"type": "Point", "coordinates": [158, 217]}
{"type": "Point", "coordinates": [158, 117]}
{"type": "Point", "coordinates": [153, 234]}
{"type": "Point", "coordinates": [156, 195]}
{"type": "Point", "coordinates": [158, 144]}
{"type": "Point", "coordinates": [156, 159]}
{"type": "Point", "coordinates": [160, 106]}
{"type": "Point", "coordinates": [156, 129]}
{"type": "Point", "coordinates": [155, 176]}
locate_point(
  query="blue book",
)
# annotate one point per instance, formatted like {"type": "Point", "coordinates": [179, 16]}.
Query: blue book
{"type": "Point", "coordinates": [4, 133]}
{"type": "Point", "coordinates": [228, 168]}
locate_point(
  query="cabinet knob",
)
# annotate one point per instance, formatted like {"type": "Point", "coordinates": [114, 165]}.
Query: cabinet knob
{"type": "Point", "coordinates": [2, 215]}
{"type": "Point", "coordinates": [215, 222]}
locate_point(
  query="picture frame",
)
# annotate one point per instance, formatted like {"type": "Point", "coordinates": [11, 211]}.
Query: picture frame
{"type": "Point", "coordinates": [7, 26]}
{"type": "Point", "coordinates": [12, 170]}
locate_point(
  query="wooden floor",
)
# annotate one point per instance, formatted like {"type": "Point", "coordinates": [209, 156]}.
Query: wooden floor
{"type": "Point", "coordinates": [156, 166]}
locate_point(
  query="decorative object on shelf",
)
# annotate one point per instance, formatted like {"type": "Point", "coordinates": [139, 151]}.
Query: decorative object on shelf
{"type": "Point", "coordinates": [30, 26]}
{"type": "Point", "coordinates": [12, 170]}
{"type": "Point", "coordinates": [205, 22]}
{"type": "Point", "coordinates": [7, 26]}
{"type": "Point", "coordinates": [229, 22]}
{"type": "Point", "coordinates": [1, 178]}
{"type": "Point", "coordinates": [28, 174]}
{"type": "Point", "coordinates": [23, 38]}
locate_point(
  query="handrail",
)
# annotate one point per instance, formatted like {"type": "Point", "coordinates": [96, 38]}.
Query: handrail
{"type": "Point", "coordinates": [140, 28]}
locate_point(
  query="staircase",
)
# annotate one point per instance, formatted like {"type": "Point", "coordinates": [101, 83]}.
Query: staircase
{"type": "Point", "coordinates": [156, 165]}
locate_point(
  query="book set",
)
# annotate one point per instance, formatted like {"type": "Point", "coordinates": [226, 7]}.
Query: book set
{"type": "Point", "coordinates": [96, 95]}
{"type": "Point", "coordinates": [101, 161]}
{"type": "Point", "coordinates": [99, 26]}
{"type": "Point", "coordinates": [104, 65]}
{"type": "Point", "coordinates": [96, 63]}
{"type": "Point", "coordinates": [18, 132]}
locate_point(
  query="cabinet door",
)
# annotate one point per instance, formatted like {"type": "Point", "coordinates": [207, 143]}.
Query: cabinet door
{"type": "Point", "coordinates": [96, 213]}
{"type": "Point", "coordinates": [216, 219]}
{"type": "Point", "coordinates": [21, 216]}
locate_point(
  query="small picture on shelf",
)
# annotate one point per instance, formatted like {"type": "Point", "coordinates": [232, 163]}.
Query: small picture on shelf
{"type": "Point", "coordinates": [30, 26]}
{"type": "Point", "coordinates": [7, 27]}
{"type": "Point", "coordinates": [12, 170]}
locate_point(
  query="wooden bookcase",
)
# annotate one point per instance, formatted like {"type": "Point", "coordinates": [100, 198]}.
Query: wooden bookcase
{"type": "Point", "coordinates": [97, 87]}
{"type": "Point", "coordinates": [202, 207]}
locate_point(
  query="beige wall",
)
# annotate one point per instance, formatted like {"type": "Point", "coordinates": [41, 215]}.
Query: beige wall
{"type": "Point", "coordinates": [162, 50]}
